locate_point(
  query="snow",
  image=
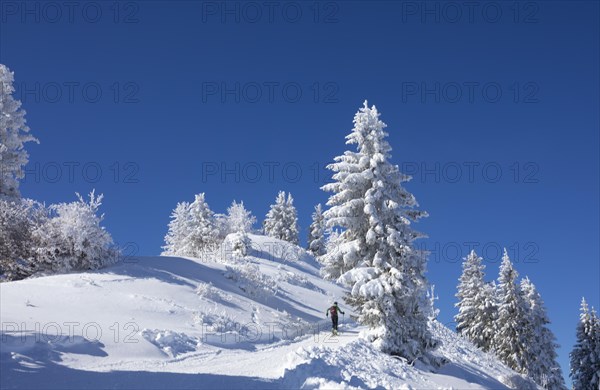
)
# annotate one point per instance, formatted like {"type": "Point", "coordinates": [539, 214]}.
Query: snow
{"type": "Point", "coordinates": [182, 323]}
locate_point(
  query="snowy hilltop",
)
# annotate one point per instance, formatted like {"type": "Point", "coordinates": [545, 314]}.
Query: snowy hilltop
{"type": "Point", "coordinates": [229, 306]}
{"type": "Point", "coordinates": [220, 321]}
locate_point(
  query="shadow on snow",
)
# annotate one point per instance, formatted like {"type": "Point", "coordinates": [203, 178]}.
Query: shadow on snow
{"type": "Point", "coordinates": [29, 364]}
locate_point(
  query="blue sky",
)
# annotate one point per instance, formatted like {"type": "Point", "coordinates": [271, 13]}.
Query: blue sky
{"type": "Point", "coordinates": [492, 107]}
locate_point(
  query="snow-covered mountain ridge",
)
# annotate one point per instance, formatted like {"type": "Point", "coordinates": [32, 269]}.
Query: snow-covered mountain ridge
{"type": "Point", "coordinates": [182, 323]}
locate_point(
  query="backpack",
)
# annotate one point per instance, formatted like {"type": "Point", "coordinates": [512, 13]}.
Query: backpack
{"type": "Point", "coordinates": [333, 311]}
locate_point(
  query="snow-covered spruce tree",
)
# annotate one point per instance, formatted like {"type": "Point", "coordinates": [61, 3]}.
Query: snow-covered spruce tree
{"type": "Point", "coordinates": [375, 255]}
{"type": "Point", "coordinates": [273, 223]}
{"type": "Point", "coordinates": [14, 133]}
{"type": "Point", "coordinates": [316, 233]}
{"type": "Point", "coordinates": [540, 343]}
{"type": "Point", "coordinates": [351, 180]}
{"type": "Point", "coordinates": [237, 224]}
{"type": "Point", "coordinates": [488, 316]}
{"type": "Point", "coordinates": [203, 237]}
{"type": "Point", "coordinates": [282, 219]}
{"type": "Point", "coordinates": [291, 221]}
{"type": "Point", "coordinates": [179, 229]}
{"type": "Point", "coordinates": [72, 238]}
{"type": "Point", "coordinates": [594, 360]}
{"type": "Point", "coordinates": [508, 340]}
{"type": "Point", "coordinates": [239, 220]}
{"type": "Point", "coordinates": [596, 343]}
{"type": "Point", "coordinates": [585, 362]}
{"type": "Point", "coordinates": [476, 308]}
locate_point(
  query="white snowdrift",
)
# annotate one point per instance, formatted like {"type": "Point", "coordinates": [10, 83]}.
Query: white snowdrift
{"type": "Point", "coordinates": [358, 365]}
{"type": "Point", "coordinates": [224, 322]}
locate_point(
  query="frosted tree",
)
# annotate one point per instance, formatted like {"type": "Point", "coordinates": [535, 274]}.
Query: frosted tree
{"type": "Point", "coordinates": [470, 286]}
{"type": "Point", "coordinates": [180, 228]}
{"type": "Point", "coordinates": [331, 241]}
{"type": "Point", "coordinates": [15, 233]}
{"type": "Point", "coordinates": [16, 216]}
{"type": "Point", "coordinates": [222, 225]}
{"type": "Point", "coordinates": [585, 361]}
{"type": "Point", "coordinates": [375, 255]}
{"type": "Point", "coordinates": [237, 224]}
{"type": "Point", "coordinates": [508, 340]}
{"type": "Point", "coordinates": [282, 219]}
{"type": "Point", "coordinates": [14, 133]}
{"type": "Point", "coordinates": [488, 316]}
{"type": "Point", "coordinates": [596, 343]}
{"type": "Point", "coordinates": [73, 238]}
{"type": "Point", "coordinates": [239, 220]}
{"type": "Point", "coordinates": [203, 234]}
{"type": "Point", "coordinates": [540, 342]}
{"type": "Point", "coordinates": [18, 219]}
{"type": "Point", "coordinates": [351, 181]}
{"type": "Point", "coordinates": [316, 233]}
{"type": "Point", "coordinates": [273, 224]}
{"type": "Point", "coordinates": [596, 350]}
{"type": "Point", "coordinates": [476, 304]}
{"type": "Point", "coordinates": [291, 221]}
{"type": "Point", "coordinates": [236, 246]}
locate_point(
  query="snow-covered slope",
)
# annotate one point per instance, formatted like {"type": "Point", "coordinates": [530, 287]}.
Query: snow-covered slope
{"type": "Point", "coordinates": [170, 322]}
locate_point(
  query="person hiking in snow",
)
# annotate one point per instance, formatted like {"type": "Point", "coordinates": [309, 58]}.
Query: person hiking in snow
{"type": "Point", "coordinates": [334, 316]}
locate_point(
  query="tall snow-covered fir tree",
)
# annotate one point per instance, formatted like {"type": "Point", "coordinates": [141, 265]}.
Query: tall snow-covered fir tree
{"type": "Point", "coordinates": [375, 255]}
{"type": "Point", "coordinates": [14, 133]}
{"type": "Point", "coordinates": [585, 360]}
{"type": "Point", "coordinates": [179, 230]}
{"type": "Point", "coordinates": [316, 233]}
{"type": "Point", "coordinates": [508, 341]}
{"type": "Point", "coordinates": [282, 219]}
{"type": "Point", "coordinates": [476, 306]}
{"type": "Point", "coordinates": [540, 343]}
{"type": "Point", "coordinates": [346, 206]}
